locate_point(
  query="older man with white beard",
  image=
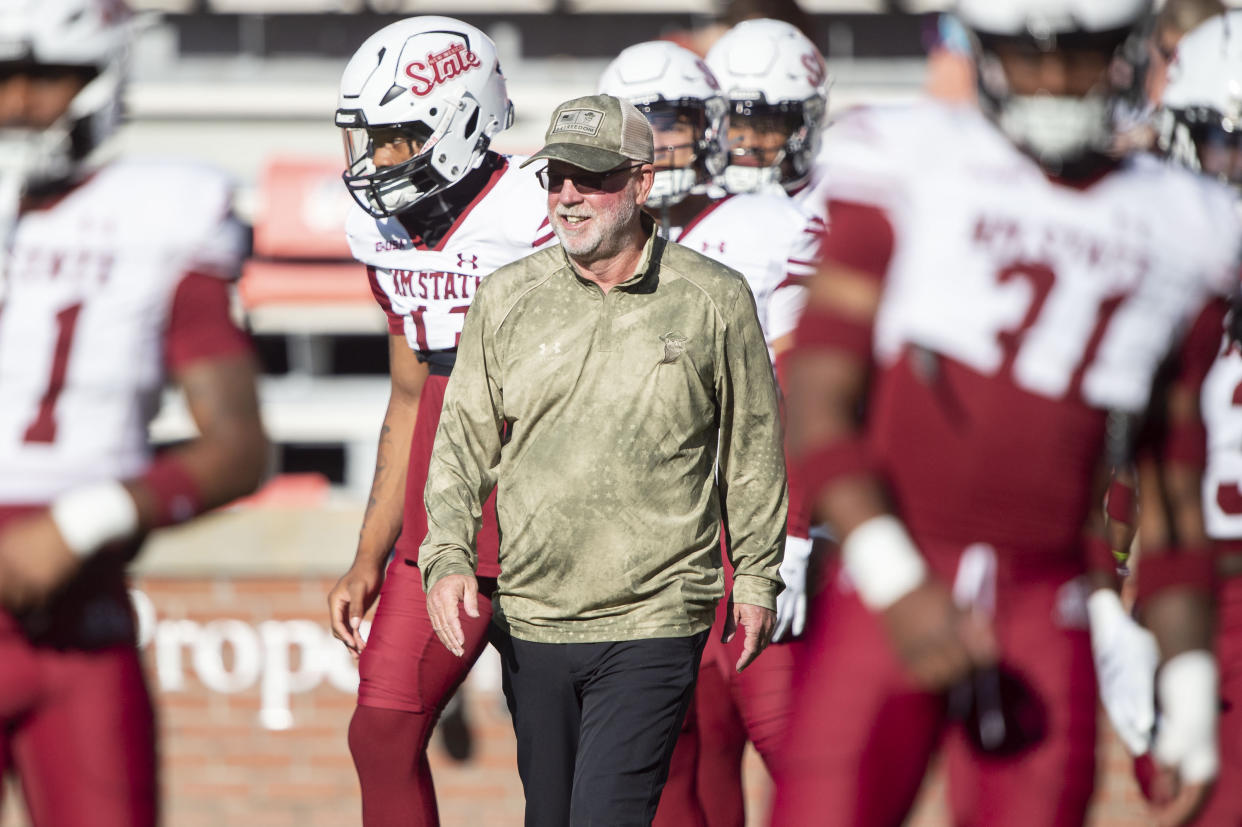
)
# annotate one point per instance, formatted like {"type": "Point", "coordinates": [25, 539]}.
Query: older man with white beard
{"type": "Point", "coordinates": [598, 385]}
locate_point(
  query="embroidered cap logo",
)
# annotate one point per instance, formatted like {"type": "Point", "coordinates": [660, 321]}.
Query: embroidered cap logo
{"type": "Point", "coordinates": [582, 121]}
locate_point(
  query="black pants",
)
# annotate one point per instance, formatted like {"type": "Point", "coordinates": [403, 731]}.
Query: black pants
{"type": "Point", "coordinates": [596, 724]}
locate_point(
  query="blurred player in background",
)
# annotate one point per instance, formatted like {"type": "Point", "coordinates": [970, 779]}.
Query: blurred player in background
{"type": "Point", "coordinates": [437, 212]}
{"type": "Point", "coordinates": [1171, 23]}
{"type": "Point", "coordinates": [994, 284]}
{"type": "Point", "coordinates": [114, 278]}
{"type": "Point", "coordinates": [776, 85]}
{"type": "Point", "coordinates": [768, 239]}
{"type": "Point", "coordinates": [1201, 108]}
{"type": "Point", "coordinates": [1146, 68]}
{"type": "Point", "coordinates": [701, 39]}
{"type": "Point", "coordinates": [1198, 128]}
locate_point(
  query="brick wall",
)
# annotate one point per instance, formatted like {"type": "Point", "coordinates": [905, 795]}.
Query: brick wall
{"type": "Point", "coordinates": [254, 697]}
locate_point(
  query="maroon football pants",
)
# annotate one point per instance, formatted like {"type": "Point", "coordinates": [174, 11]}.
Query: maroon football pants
{"type": "Point", "coordinates": [729, 710]}
{"type": "Point", "coordinates": [862, 735]}
{"type": "Point", "coordinates": [79, 732]}
{"type": "Point", "coordinates": [406, 674]}
{"type": "Point", "coordinates": [406, 678]}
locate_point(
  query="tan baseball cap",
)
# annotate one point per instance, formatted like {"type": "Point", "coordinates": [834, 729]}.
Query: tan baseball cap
{"type": "Point", "coordinates": [597, 133]}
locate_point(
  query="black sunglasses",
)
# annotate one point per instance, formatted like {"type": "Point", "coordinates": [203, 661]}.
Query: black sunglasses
{"type": "Point", "coordinates": [584, 182]}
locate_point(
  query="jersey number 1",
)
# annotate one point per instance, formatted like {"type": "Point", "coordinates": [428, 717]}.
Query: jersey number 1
{"type": "Point", "coordinates": [43, 428]}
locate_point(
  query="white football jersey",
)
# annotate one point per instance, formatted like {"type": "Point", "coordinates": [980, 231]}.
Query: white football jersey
{"type": "Point", "coordinates": [1220, 402]}
{"type": "Point", "coordinates": [426, 290]}
{"type": "Point", "coordinates": [770, 241]}
{"type": "Point", "coordinates": [84, 313]}
{"type": "Point", "coordinates": [1075, 292]}
{"type": "Point", "coordinates": [812, 196]}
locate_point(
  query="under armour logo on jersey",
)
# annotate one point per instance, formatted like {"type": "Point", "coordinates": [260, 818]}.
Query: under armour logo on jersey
{"type": "Point", "coordinates": [463, 260]}
{"type": "Point", "coordinates": [707, 246]}
{"type": "Point", "coordinates": [674, 346]}
{"type": "Point", "coordinates": [545, 348]}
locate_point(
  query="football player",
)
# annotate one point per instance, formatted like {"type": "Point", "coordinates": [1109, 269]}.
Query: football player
{"type": "Point", "coordinates": [1171, 23]}
{"type": "Point", "coordinates": [776, 85]}
{"type": "Point", "coordinates": [770, 240]}
{"type": "Point", "coordinates": [994, 285]}
{"type": "Point", "coordinates": [115, 279]}
{"type": "Point", "coordinates": [1201, 110]}
{"type": "Point", "coordinates": [1146, 66]}
{"type": "Point", "coordinates": [1201, 106]}
{"type": "Point", "coordinates": [420, 102]}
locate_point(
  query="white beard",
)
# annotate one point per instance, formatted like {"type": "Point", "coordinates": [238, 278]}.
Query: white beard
{"type": "Point", "coordinates": [604, 240]}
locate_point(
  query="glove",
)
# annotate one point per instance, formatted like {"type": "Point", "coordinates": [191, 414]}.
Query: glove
{"type": "Point", "coordinates": [1126, 657]}
{"type": "Point", "coordinates": [791, 603]}
{"type": "Point", "coordinates": [1189, 707]}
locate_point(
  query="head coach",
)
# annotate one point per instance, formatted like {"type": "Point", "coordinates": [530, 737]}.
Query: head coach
{"type": "Point", "coordinates": [616, 392]}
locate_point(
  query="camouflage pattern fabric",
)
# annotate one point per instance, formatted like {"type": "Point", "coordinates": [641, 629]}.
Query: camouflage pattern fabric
{"type": "Point", "coordinates": [637, 420]}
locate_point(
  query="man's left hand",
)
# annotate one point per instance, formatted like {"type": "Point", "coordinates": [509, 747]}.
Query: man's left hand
{"type": "Point", "coordinates": [757, 623]}
{"type": "Point", "coordinates": [34, 562]}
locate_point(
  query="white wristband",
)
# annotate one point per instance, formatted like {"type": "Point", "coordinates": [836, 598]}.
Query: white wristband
{"type": "Point", "coordinates": [1187, 739]}
{"type": "Point", "coordinates": [95, 515]}
{"type": "Point", "coordinates": [1104, 613]}
{"type": "Point", "coordinates": [882, 562]}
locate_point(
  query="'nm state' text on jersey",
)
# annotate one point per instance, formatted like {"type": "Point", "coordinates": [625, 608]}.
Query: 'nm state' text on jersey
{"type": "Point", "coordinates": [426, 291]}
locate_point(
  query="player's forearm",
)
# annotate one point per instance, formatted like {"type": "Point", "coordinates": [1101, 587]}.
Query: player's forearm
{"type": "Point", "coordinates": [226, 461]}
{"type": "Point", "coordinates": [1181, 620]}
{"type": "Point", "coordinates": [1183, 486]}
{"type": "Point", "coordinates": [223, 466]}
{"type": "Point", "coordinates": [826, 438]}
{"type": "Point", "coordinates": [381, 522]}
{"type": "Point", "coordinates": [843, 480]}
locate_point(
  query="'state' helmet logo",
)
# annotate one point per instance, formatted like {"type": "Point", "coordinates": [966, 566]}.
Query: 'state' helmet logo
{"type": "Point", "coordinates": [440, 67]}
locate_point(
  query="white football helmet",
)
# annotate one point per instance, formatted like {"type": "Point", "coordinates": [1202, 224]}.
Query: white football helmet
{"type": "Point", "coordinates": [1201, 111]}
{"type": "Point", "coordinates": [771, 73]}
{"type": "Point", "coordinates": [92, 35]}
{"type": "Point", "coordinates": [1059, 131]}
{"type": "Point", "coordinates": [437, 82]}
{"type": "Point", "coordinates": [669, 84]}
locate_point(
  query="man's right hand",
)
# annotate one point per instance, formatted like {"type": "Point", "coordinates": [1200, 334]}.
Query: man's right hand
{"type": "Point", "coordinates": [443, 600]}
{"type": "Point", "coordinates": [937, 642]}
{"type": "Point", "coordinates": [350, 599]}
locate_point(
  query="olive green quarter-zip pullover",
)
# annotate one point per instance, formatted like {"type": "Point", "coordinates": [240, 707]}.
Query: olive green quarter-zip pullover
{"type": "Point", "coordinates": [618, 407]}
